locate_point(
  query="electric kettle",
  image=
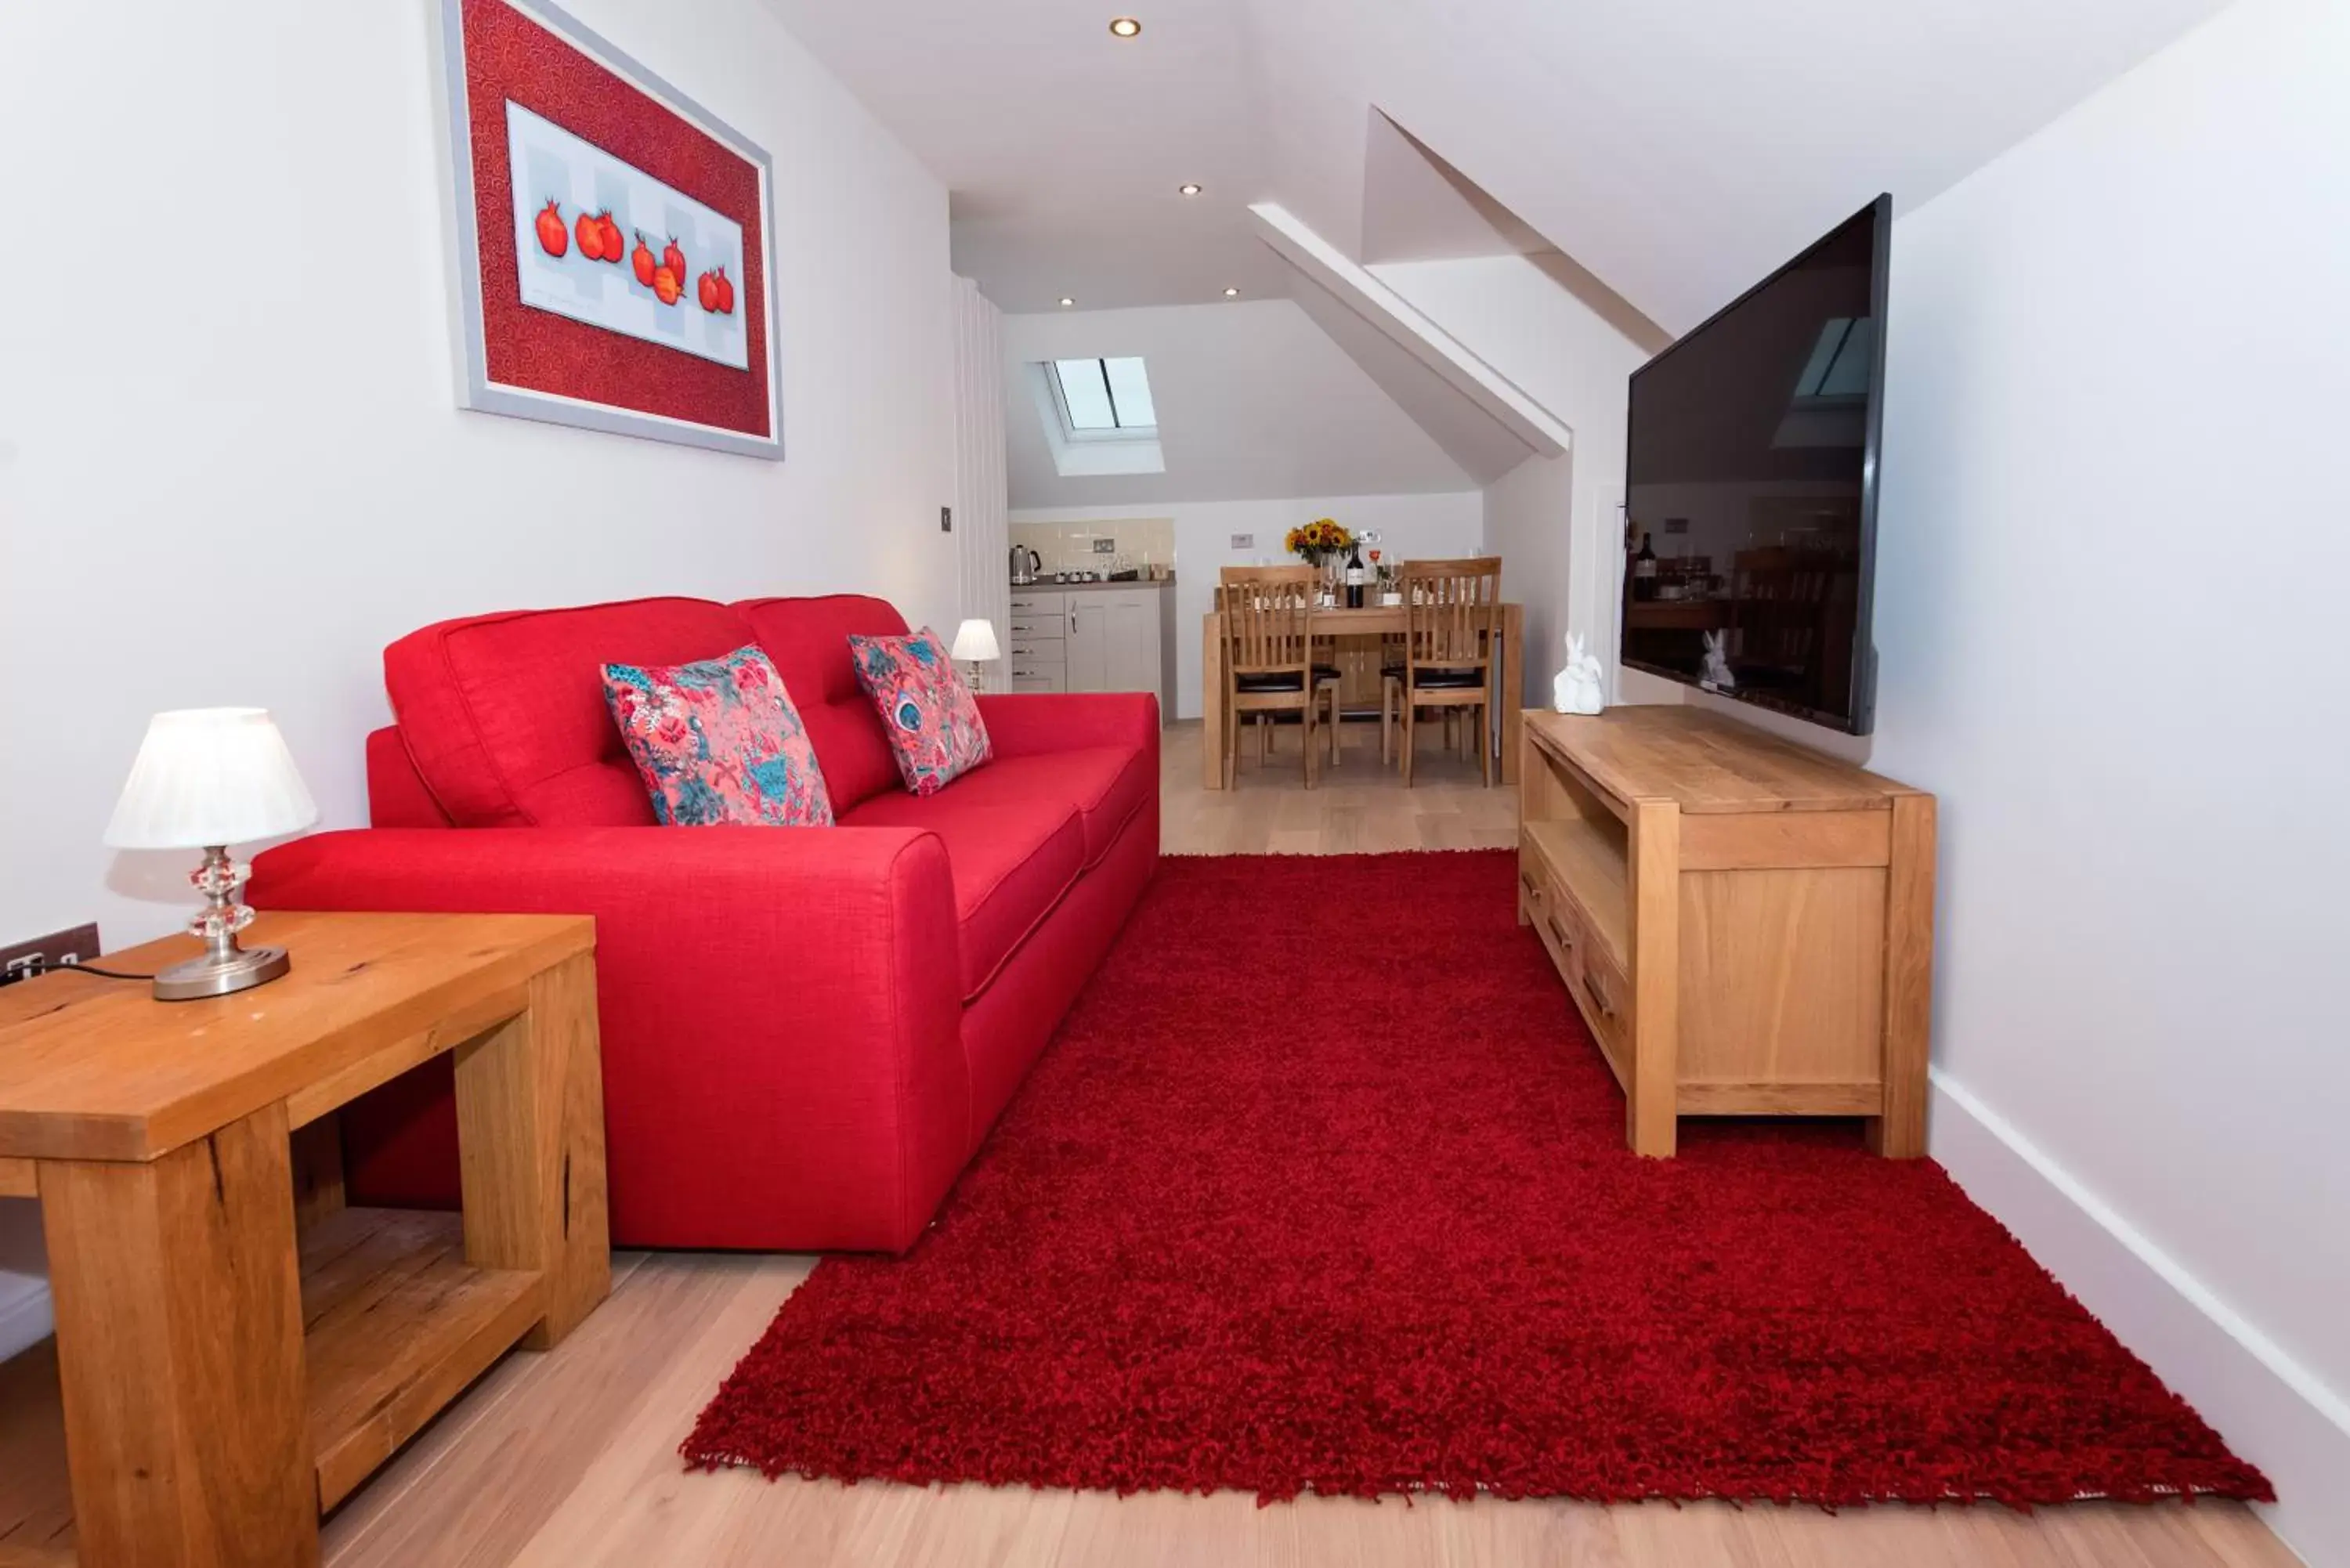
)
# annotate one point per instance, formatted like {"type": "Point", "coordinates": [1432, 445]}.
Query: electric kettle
{"type": "Point", "coordinates": [1026, 564]}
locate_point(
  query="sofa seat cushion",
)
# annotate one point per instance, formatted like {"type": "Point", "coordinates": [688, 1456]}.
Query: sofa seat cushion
{"type": "Point", "coordinates": [1013, 856]}
{"type": "Point", "coordinates": [1104, 784]}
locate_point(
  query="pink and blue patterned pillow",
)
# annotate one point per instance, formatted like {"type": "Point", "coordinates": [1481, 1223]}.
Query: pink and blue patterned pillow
{"type": "Point", "coordinates": [718, 743]}
{"type": "Point", "coordinates": [933, 718]}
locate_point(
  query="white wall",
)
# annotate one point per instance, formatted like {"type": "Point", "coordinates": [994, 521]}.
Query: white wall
{"type": "Point", "coordinates": [232, 466]}
{"type": "Point", "coordinates": [1430, 526]}
{"type": "Point", "coordinates": [1253, 400]}
{"type": "Point", "coordinates": [2109, 611]}
{"type": "Point", "coordinates": [1530, 523]}
{"type": "Point", "coordinates": [983, 547]}
{"type": "Point", "coordinates": [1554, 520]}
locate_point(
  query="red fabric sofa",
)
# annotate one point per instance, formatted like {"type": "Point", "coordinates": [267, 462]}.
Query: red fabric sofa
{"type": "Point", "coordinates": [806, 1032]}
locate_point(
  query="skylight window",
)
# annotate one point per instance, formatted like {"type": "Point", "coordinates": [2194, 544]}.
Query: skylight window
{"type": "Point", "coordinates": [1098, 416]}
{"type": "Point", "coordinates": [1104, 397]}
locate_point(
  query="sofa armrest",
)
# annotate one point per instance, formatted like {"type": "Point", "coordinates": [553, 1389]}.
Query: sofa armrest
{"type": "Point", "coordinates": [780, 1018]}
{"type": "Point", "coordinates": [1029, 723]}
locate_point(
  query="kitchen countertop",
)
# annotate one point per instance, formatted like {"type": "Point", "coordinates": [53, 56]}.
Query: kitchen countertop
{"type": "Point", "coordinates": [1047, 586]}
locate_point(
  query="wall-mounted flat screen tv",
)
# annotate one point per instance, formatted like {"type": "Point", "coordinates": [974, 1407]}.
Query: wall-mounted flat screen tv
{"type": "Point", "coordinates": [1750, 493]}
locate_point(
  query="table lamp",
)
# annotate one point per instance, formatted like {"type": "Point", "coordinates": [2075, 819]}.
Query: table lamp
{"type": "Point", "coordinates": [206, 778]}
{"type": "Point", "coordinates": [974, 645]}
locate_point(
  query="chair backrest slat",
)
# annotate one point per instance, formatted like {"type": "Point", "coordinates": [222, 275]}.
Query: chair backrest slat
{"type": "Point", "coordinates": [1268, 614]}
{"type": "Point", "coordinates": [1452, 612]}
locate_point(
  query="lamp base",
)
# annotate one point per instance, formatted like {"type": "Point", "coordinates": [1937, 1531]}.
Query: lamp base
{"type": "Point", "coordinates": [241, 968]}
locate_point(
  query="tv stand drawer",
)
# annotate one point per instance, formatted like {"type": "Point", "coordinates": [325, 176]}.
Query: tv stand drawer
{"type": "Point", "coordinates": [1594, 978]}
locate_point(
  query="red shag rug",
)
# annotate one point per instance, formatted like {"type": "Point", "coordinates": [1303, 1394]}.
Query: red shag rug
{"type": "Point", "coordinates": [1323, 1187]}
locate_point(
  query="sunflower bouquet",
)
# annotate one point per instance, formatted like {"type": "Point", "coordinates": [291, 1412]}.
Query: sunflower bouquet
{"type": "Point", "coordinates": [1319, 540]}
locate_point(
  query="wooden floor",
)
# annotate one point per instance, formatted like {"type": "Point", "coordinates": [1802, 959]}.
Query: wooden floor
{"type": "Point", "coordinates": [1356, 808]}
{"type": "Point", "coordinates": [570, 1459]}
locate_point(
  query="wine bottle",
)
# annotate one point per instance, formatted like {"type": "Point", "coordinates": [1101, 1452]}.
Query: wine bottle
{"type": "Point", "coordinates": [1644, 571]}
{"type": "Point", "coordinates": [1356, 578]}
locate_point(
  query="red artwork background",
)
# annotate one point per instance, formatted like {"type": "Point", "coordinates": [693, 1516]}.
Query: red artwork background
{"type": "Point", "coordinates": [508, 56]}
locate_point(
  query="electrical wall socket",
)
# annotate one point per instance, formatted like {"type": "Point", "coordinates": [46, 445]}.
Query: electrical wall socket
{"type": "Point", "coordinates": [1243, 542]}
{"type": "Point", "coordinates": [1105, 546]}
{"type": "Point", "coordinates": [24, 959]}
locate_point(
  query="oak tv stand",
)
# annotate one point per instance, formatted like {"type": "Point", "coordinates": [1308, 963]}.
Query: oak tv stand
{"type": "Point", "coordinates": [1746, 925]}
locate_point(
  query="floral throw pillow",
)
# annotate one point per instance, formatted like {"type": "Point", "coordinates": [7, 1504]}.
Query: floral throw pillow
{"type": "Point", "coordinates": [933, 718]}
{"type": "Point", "coordinates": [718, 743]}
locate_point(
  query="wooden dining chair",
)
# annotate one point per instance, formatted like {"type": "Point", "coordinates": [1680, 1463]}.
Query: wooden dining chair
{"type": "Point", "coordinates": [1452, 624]}
{"type": "Point", "coordinates": [1269, 667]}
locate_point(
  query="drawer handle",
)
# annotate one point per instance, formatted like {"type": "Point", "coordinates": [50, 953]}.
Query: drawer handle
{"type": "Point", "coordinates": [1598, 996]}
{"type": "Point", "coordinates": [1558, 930]}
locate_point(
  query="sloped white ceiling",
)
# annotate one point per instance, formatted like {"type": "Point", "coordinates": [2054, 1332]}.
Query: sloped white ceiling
{"type": "Point", "coordinates": [1254, 401]}
{"type": "Point", "coordinates": [1416, 207]}
{"type": "Point", "coordinates": [1679, 149]}
{"type": "Point", "coordinates": [1473, 439]}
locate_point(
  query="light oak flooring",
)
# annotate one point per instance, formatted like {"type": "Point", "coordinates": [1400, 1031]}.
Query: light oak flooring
{"type": "Point", "coordinates": [570, 1460]}
{"type": "Point", "coordinates": [1356, 808]}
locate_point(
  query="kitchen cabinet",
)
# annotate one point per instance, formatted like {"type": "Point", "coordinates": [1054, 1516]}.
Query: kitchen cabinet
{"type": "Point", "coordinates": [1090, 639]}
{"type": "Point", "coordinates": [1088, 643]}
{"type": "Point", "coordinates": [1138, 643]}
{"type": "Point", "coordinates": [1040, 624]}
{"type": "Point", "coordinates": [1113, 643]}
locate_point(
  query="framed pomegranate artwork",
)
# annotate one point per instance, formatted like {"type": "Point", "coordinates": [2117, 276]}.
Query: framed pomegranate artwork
{"type": "Point", "coordinates": [613, 239]}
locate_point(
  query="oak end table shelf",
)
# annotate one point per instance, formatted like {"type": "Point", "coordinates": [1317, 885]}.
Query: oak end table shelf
{"type": "Point", "coordinates": [237, 1349]}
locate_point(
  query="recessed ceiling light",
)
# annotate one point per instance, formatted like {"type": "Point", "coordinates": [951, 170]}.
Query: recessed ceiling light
{"type": "Point", "coordinates": [1189, 189]}
{"type": "Point", "coordinates": [1125, 27]}
{"type": "Point", "coordinates": [1231, 294]}
{"type": "Point", "coordinates": [1066, 302]}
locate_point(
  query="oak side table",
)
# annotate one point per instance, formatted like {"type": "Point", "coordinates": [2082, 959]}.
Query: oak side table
{"type": "Point", "coordinates": [237, 1349]}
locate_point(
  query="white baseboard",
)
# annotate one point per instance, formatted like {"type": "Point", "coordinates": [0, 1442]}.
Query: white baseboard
{"type": "Point", "coordinates": [25, 1316]}
{"type": "Point", "coordinates": [2271, 1409]}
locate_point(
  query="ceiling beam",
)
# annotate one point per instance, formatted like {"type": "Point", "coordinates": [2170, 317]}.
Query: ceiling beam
{"type": "Point", "coordinates": [1433, 347]}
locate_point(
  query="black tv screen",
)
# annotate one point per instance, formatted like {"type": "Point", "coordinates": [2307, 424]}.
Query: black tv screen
{"type": "Point", "coordinates": [1750, 488]}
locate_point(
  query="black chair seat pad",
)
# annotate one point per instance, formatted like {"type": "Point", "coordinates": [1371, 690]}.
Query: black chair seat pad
{"type": "Point", "coordinates": [1447, 679]}
{"type": "Point", "coordinates": [1281, 680]}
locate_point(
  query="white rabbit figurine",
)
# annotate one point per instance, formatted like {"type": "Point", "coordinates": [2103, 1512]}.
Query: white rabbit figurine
{"type": "Point", "coordinates": [1717, 662]}
{"type": "Point", "coordinates": [1576, 689]}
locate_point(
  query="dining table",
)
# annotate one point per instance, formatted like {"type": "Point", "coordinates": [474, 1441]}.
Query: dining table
{"type": "Point", "coordinates": [1362, 630]}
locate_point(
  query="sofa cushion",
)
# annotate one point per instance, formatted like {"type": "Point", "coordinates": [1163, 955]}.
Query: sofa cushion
{"type": "Point", "coordinates": [718, 743]}
{"type": "Point", "coordinates": [927, 710]}
{"type": "Point", "coordinates": [1104, 784]}
{"type": "Point", "coordinates": [504, 714]}
{"type": "Point", "coordinates": [808, 640]}
{"type": "Point", "coordinates": [1012, 858]}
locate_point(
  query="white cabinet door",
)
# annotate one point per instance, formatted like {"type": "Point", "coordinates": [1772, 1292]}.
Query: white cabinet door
{"type": "Point", "coordinates": [1133, 636]}
{"type": "Point", "coordinates": [1088, 645]}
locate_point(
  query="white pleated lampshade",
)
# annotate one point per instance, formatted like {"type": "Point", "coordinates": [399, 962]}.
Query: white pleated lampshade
{"type": "Point", "coordinates": [974, 642]}
{"type": "Point", "coordinates": [207, 777]}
